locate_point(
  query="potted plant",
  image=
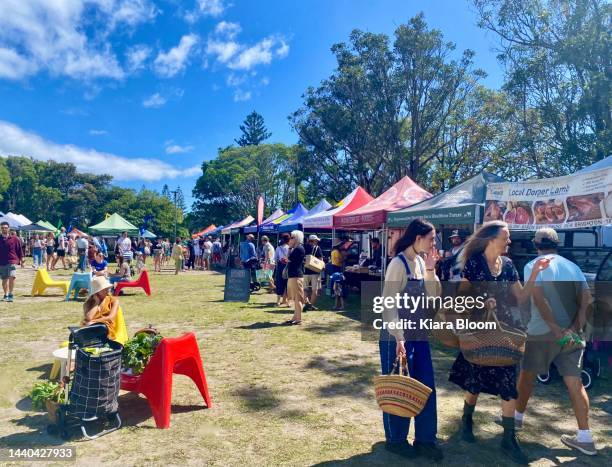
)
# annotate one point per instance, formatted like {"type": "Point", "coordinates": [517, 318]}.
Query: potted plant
{"type": "Point", "coordinates": [47, 395]}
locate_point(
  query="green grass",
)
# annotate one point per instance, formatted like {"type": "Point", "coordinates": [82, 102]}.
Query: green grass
{"type": "Point", "coordinates": [299, 395]}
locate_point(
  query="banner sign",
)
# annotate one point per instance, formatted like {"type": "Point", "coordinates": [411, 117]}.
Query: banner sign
{"type": "Point", "coordinates": [570, 202]}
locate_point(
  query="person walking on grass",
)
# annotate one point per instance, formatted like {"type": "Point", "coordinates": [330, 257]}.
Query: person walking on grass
{"type": "Point", "coordinates": [559, 305]}
{"type": "Point", "coordinates": [312, 278]}
{"type": "Point", "coordinates": [158, 254]}
{"type": "Point", "coordinates": [177, 255]}
{"type": "Point", "coordinates": [207, 248]}
{"type": "Point", "coordinates": [11, 255]}
{"type": "Point", "coordinates": [295, 275]}
{"type": "Point", "coordinates": [487, 272]}
{"type": "Point", "coordinates": [49, 249]}
{"type": "Point", "coordinates": [409, 274]}
{"type": "Point", "coordinates": [281, 256]}
{"type": "Point", "coordinates": [37, 251]}
{"type": "Point", "coordinates": [62, 244]}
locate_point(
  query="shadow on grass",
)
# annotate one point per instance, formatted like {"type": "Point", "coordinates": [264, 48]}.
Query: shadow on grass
{"type": "Point", "coordinates": [256, 398]}
{"type": "Point", "coordinates": [354, 378]}
{"type": "Point", "coordinates": [261, 325]}
{"type": "Point", "coordinates": [45, 370]}
{"type": "Point", "coordinates": [134, 410]}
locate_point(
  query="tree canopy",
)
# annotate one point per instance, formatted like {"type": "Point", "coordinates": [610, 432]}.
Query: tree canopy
{"type": "Point", "coordinates": [254, 131]}
{"type": "Point", "coordinates": [56, 192]}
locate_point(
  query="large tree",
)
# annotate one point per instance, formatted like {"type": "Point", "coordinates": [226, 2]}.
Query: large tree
{"type": "Point", "coordinates": [230, 185]}
{"type": "Point", "coordinates": [386, 110]}
{"type": "Point", "coordinates": [254, 131]}
{"type": "Point", "coordinates": [558, 63]}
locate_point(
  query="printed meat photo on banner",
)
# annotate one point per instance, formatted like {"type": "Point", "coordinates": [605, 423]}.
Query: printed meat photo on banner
{"type": "Point", "coordinates": [494, 210]}
{"type": "Point", "coordinates": [518, 212]}
{"type": "Point", "coordinates": [585, 207]}
{"type": "Point", "coordinates": [550, 211]}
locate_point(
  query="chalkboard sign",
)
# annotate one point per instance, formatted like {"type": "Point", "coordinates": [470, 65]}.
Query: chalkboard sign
{"type": "Point", "coordinates": [237, 283]}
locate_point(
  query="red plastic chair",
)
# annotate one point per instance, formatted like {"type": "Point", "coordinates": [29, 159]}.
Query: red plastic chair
{"type": "Point", "coordinates": [179, 355]}
{"type": "Point", "coordinates": [142, 282]}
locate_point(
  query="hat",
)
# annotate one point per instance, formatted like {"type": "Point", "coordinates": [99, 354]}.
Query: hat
{"type": "Point", "coordinates": [313, 238]}
{"type": "Point", "coordinates": [455, 233]}
{"type": "Point", "coordinates": [98, 284]}
{"type": "Point", "coordinates": [546, 236]}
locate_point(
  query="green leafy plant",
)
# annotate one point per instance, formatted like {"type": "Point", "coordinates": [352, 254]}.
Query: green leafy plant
{"type": "Point", "coordinates": [138, 350]}
{"type": "Point", "coordinates": [47, 390]}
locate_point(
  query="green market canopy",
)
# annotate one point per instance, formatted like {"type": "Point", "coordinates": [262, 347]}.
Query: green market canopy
{"type": "Point", "coordinates": [114, 225]}
{"type": "Point", "coordinates": [462, 204]}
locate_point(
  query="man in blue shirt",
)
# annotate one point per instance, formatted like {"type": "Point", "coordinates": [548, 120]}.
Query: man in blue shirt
{"type": "Point", "coordinates": [248, 255]}
{"type": "Point", "coordinates": [559, 303]}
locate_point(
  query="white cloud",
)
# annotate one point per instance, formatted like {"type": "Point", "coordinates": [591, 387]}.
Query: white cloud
{"type": "Point", "coordinates": [154, 101]}
{"type": "Point", "coordinates": [13, 65]}
{"type": "Point", "coordinates": [16, 141]}
{"type": "Point", "coordinates": [169, 64]}
{"type": "Point", "coordinates": [95, 132]}
{"type": "Point", "coordinates": [178, 149]}
{"type": "Point", "coordinates": [65, 38]}
{"type": "Point", "coordinates": [228, 29]}
{"type": "Point", "coordinates": [241, 96]}
{"type": "Point", "coordinates": [234, 80]}
{"type": "Point", "coordinates": [261, 53]}
{"type": "Point", "coordinates": [223, 45]}
{"type": "Point", "coordinates": [136, 57]}
{"type": "Point", "coordinates": [132, 12]}
{"type": "Point", "coordinates": [212, 8]}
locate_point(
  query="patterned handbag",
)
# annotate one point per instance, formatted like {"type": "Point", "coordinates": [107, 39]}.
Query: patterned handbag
{"type": "Point", "coordinates": [400, 394]}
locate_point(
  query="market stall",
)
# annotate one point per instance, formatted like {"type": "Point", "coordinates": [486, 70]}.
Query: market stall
{"type": "Point", "coordinates": [325, 219]}
{"type": "Point", "coordinates": [577, 206]}
{"type": "Point", "coordinates": [460, 208]}
{"type": "Point", "coordinates": [114, 225]}
{"type": "Point", "coordinates": [372, 217]}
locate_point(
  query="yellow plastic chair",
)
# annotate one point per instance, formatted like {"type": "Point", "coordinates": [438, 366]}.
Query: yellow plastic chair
{"type": "Point", "coordinates": [43, 281]}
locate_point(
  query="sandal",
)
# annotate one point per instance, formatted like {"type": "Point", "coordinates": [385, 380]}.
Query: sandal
{"type": "Point", "coordinates": [295, 323]}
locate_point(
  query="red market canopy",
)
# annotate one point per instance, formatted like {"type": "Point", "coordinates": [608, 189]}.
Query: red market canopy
{"type": "Point", "coordinates": [374, 214]}
{"type": "Point", "coordinates": [210, 228]}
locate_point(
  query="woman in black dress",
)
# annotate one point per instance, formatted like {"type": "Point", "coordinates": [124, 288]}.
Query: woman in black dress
{"type": "Point", "coordinates": [486, 270]}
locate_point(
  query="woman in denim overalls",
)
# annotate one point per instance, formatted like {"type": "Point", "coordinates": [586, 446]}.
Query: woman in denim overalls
{"type": "Point", "coordinates": [409, 274]}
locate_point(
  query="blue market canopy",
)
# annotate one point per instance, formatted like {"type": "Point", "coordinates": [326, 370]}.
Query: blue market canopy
{"type": "Point", "coordinates": [272, 217]}
{"type": "Point", "coordinates": [296, 222]}
{"type": "Point", "coordinates": [272, 227]}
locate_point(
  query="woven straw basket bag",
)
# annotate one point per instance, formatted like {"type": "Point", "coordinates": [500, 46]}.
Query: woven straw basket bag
{"type": "Point", "coordinates": [400, 394]}
{"type": "Point", "coordinates": [503, 346]}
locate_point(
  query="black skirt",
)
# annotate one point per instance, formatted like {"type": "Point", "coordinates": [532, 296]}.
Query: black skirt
{"type": "Point", "coordinates": [495, 380]}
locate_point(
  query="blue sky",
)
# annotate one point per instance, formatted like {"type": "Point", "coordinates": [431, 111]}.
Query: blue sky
{"type": "Point", "coordinates": [147, 89]}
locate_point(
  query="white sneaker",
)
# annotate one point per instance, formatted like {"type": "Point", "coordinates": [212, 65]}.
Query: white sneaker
{"type": "Point", "coordinates": [586, 448]}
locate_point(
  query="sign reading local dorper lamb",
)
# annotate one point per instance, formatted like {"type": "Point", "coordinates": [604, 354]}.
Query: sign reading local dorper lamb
{"type": "Point", "coordinates": [570, 202]}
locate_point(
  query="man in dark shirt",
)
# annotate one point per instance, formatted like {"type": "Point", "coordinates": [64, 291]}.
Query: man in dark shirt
{"type": "Point", "coordinates": [295, 274]}
{"type": "Point", "coordinates": [311, 278]}
{"type": "Point", "coordinates": [11, 255]}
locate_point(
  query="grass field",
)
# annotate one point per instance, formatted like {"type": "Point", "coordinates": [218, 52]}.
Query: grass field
{"type": "Point", "coordinates": [299, 395]}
